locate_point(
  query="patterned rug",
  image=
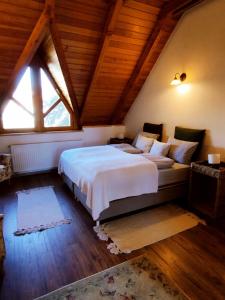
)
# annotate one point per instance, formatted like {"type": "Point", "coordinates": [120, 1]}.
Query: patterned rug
{"type": "Point", "coordinates": [136, 279]}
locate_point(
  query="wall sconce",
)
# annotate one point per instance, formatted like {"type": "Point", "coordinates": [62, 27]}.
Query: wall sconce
{"type": "Point", "coordinates": [178, 78]}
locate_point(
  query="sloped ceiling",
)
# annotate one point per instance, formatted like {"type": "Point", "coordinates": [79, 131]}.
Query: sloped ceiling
{"type": "Point", "coordinates": [106, 48]}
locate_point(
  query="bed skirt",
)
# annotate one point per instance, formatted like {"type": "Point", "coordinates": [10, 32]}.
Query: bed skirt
{"type": "Point", "coordinates": [122, 206]}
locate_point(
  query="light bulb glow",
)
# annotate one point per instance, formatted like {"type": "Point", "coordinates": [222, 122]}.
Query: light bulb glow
{"type": "Point", "coordinates": [183, 88]}
{"type": "Point", "coordinates": [175, 81]}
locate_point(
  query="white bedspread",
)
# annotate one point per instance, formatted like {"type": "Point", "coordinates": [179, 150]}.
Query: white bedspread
{"type": "Point", "coordinates": [105, 173]}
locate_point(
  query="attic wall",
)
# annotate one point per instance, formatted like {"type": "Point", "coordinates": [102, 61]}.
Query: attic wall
{"type": "Point", "coordinates": [89, 136]}
{"type": "Point", "coordinates": [196, 47]}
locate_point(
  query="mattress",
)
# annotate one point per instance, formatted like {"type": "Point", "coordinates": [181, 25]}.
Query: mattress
{"type": "Point", "coordinates": [177, 173]}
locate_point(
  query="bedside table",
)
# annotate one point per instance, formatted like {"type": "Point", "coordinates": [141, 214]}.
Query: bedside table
{"type": "Point", "coordinates": [120, 141]}
{"type": "Point", "coordinates": [207, 189]}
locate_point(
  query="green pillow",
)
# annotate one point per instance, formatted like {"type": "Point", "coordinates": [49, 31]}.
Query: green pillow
{"type": "Point", "coordinates": [191, 135]}
{"type": "Point", "coordinates": [154, 128]}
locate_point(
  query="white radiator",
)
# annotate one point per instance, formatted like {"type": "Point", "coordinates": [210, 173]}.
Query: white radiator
{"type": "Point", "coordinates": [39, 156]}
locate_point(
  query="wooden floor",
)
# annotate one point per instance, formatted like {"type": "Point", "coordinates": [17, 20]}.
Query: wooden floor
{"type": "Point", "coordinates": [41, 262]}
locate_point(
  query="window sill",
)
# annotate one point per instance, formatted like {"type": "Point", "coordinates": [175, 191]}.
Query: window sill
{"type": "Point", "coordinates": [40, 132]}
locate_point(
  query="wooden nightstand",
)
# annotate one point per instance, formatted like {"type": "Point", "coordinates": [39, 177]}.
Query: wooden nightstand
{"type": "Point", "coordinates": [207, 189]}
{"type": "Point", "coordinates": [120, 141]}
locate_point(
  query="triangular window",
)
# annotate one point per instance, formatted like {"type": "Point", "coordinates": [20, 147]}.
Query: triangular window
{"type": "Point", "coordinates": [36, 104]}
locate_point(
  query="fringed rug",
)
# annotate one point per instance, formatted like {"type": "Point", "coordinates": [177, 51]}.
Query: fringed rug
{"type": "Point", "coordinates": [134, 279]}
{"type": "Point", "coordinates": [145, 228]}
{"type": "Point", "coordinates": [38, 209]}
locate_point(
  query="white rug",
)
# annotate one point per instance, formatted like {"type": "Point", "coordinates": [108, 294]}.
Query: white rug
{"type": "Point", "coordinates": [38, 209]}
{"type": "Point", "coordinates": [145, 228]}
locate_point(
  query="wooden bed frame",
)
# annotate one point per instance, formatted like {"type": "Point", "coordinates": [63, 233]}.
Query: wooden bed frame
{"type": "Point", "coordinates": [121, 206]}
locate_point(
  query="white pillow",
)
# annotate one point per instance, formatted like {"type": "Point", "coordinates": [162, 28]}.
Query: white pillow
{"type": "Point", "coordinates": [144, 143]}
{"type": "Point", "coordinates": [160, 149]}
{"type": "Point", "coordinates": [146, 134]}
{"type": "Point", "coordinates": [181, 151]}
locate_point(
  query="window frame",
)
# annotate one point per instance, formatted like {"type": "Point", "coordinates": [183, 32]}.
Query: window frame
{"type": "Point", "coordinates": [35, 71]}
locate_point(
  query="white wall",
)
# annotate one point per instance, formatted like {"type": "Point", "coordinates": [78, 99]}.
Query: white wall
{"type": "Point", "coordinates": [46, 159]}
{"type": "Point", "coordinates": [197, 47]}
{"type": "Point", "coordinates": [89, 136]}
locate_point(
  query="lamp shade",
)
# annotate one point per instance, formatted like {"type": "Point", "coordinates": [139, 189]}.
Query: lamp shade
{"type": "Point", "coordinates": [178, 78]}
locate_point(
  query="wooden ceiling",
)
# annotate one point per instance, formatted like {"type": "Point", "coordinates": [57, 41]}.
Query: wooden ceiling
{"type": "Point", "coordinates": [105, 48]}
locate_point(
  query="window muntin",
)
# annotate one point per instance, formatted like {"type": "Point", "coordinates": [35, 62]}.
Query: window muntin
{"type": "Point", "coordinates": [49, 95]}
{"type": "Point", "coordinates": [58, 117]}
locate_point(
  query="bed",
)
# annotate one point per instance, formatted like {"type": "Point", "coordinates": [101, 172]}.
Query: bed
{"type": "Point", "coordinates": [167, 184]}
{"type": "Point", "coordinates": [124, 182]}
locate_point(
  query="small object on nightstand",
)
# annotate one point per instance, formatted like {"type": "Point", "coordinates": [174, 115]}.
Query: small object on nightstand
{"type": "Point", "coordinates": [214, 159]}
{"type": "Point", "coordinates": [121, 135]}
{"type": "Point", "coordinates": [125, 140]}
{"type": "Point", "coordinates": [207, 188]}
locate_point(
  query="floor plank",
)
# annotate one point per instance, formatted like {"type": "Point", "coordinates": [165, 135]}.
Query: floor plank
{"type": "Point", "coordinates": [41, 262]}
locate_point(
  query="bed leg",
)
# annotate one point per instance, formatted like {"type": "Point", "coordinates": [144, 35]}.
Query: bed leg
{"type": "Point", "coordinates": [97, 223]}
{"type": "Point", "coordinates": [75, 197]}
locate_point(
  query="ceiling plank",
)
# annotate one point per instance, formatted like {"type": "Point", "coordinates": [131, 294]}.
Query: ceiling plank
{"type": "Point", "coordinates": [165, 14]}
{"type": "Point", "coordinates": [65, 70]}
{"type": "Point", "coordinates": [108, 31]}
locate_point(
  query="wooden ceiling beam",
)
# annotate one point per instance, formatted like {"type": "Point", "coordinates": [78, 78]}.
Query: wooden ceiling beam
{"type": "Point", "coordinates": [179, 11]}
{"type": "Point", "coordinates": [176, 8]}
{"type": "Point", "coordinates": [165, 14]}
{"type": "Point", "coordinates": [65, 70]}
{"type": "Point", "coordinates": [106, 37]}
{"type": "Point", "coordinates": [50, 8]}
